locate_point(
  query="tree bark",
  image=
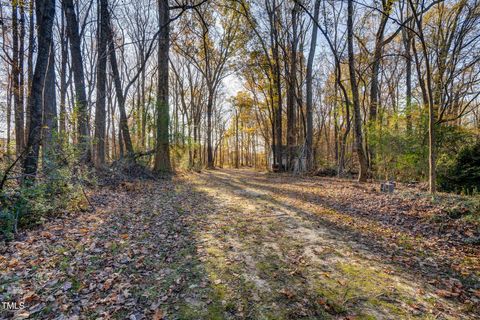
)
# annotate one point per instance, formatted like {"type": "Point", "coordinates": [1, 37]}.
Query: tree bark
{"type": "Point", "coordinates": [407, 43]}
{"type": "Point", "coordinates": [363, 170]}
{"type": "Point", "coordinates": [63, 79]}
{"type": "Point", "coordinates": [377, 56]}
{"type": "Point", "coordinates": [31, 46]}
{"type": "Point", "coordinates": [374, 83]}
{"type": "Point", "coordinates": [45, 16]}
{"type": "Point", "coordinates": [123, 126]}
{"type": "Point", "coordinates": [408, 81]}
{"type": "Point", "coordinates": [309, 91]}
{"type": "Point", "coordinates": [291, 93]}
{"type": "Point", "coordinates": [237, 150]}
{"type": "Point", "coordinates": [21, 76]}
{"type": "Point", "coordinates": [9, 111]}
{"type": "Point", "coordinates": [162, 149]}
{"type": "Point", "coordinates": [17, 105]}
{"type": "Point", "coordinates": [100, 106]}
{"type": "Point", "coordinates": [50, 125]}
{"type": "Point", "coordinates": [79, 79]}
{"type": "Point", "coordinates": [209, 128]}
{"type": "Point", "coordinates": [277, 103]}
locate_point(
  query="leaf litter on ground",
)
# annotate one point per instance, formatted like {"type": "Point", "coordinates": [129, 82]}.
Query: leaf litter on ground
{"type": "Point", "coordinates": [238, 244]}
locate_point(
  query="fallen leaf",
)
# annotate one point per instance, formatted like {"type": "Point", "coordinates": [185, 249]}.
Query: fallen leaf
{"type": "Point", "coordinates": [30, 296]}
{"type": "Point", "coordinates": [158, 315]}
{"type": "Point", "coordinates": [446, 294]}
{"type": "Point", "coordinates": [46, 234]}
{"type": "Point", "coordinates": [342, 282]}
{"type": "Point", "coordinates": [108, 284]}
{"type": "Point", "coordinates": [13, 263]}
{"type": "Point", "coordinates": [289, 294]}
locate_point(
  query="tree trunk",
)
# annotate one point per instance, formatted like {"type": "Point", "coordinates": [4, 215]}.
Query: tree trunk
{"type": "Point", "coordinates": [407, 42]}
{"type": "Point", "coordinates": [100, 111]}
{"type": "Point", "coordinates": [21, 77]}
{"type": "Point", "coordinates": [112, 120]}
{"type": "Point", "coordinates": [121, 153]}
{"type": "Point", "coordinates": [63, 80]}
{"type": "Point", "coordinates": [143, 109]}
{"type": "Point", "coordinates": [377, 56]}
{"type": "Point", "coordinates": [162, 149]}
{"type": "Point", "coordinates": [45, 17]}
{"type": "Point", "coordinates": [9, 112]}
{"type": "Point", "coordinates": [363, 174]}
{"type": "Point", "coordinates": [209, 128]}
{"type": "Point", "coordinates": [50, 126]}
{"type": "Point", "coordinates": [79, 79]}
{"type": "Point", "coordinates": [31, 46]}
{"type": "Point", "coordinates": [237, 150]}
{"type": "Point", "coordinates": [291, 93]}
{"type": "Point", "coordinates": [17, 105]}
{"type": "Point", "coordinates": [431, 103]}
{"type": "Point", "coordinates": [276, 92]}
{"type": "Point", "coordinates": [309, 79]}
{"type": "Point", "coordinates": [123, 126]}
{"type": "Point", "coordinates": [374, 83]}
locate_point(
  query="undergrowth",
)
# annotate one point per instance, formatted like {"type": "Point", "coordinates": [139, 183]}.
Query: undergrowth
{"type": "Point", "coordinates": [25, 205]}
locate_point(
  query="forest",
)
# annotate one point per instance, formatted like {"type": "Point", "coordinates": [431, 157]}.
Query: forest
{"type": "Point", "coordinates": [239, 159]}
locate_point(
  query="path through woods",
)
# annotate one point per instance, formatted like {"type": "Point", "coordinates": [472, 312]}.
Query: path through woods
{"type": "Point", "coordinates": [239, 244]}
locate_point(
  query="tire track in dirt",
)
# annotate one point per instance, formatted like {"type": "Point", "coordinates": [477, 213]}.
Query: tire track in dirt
{"type": "Point", "coordinates": [344, 275]}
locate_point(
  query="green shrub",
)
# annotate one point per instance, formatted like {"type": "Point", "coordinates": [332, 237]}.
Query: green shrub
{"type": "Point", "coordinates": [399, 154]}
{"type": "Point", "coordinates": [461, 173]}
{"type": "Point", "coordinates": [24, 206]}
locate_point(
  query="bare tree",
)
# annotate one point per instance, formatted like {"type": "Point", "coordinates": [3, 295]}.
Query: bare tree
{"type": "Point", "coordinates": [162, 149]}
{"type": "Point", "coordinates": [102, 55]}
{"type": "Point", "coordinates": [362, 159]}
{"type": "Point", "coordinates": [45, 10]}
{"type": "Point", "coordinates": [309, 79]}
{"type": "Point", "coordinates": [79, 79]}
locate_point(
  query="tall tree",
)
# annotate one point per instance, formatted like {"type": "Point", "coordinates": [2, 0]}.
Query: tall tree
{"type": "Point", "coordinates": [377, 56]}
{"type": "Point", "coordinates": [50, 119]}
{"type": "Point", "coordinates": [45, 11]}
{"type": "Point", "coordinates": [79, 80]}
{"type": "Point", "coordinates": [16, 70]}
{"type": "Point", "coordinates": [63, 78]}
{"type": "Point", "coordinates": [291, 72]}
{"type": "Point", "coordinates": [407, 43]}
{"type": "Point", "coordinates": [277, 82]}
{"type": "Point", "coordinates": [309, 91]}
{"type": "Point", "coordinates": [21, 75]}
{"type": "Point", "coordinates": [374, 82]}
{"type": "Point", "coordinates": [362, 159]}
{"type": "Point", "coordinates": [100, 111]}
{"type": "Point", "coordinates": [31, 47]}
{"type": "Point", "coordinates": [428, 97]}
{"type": "Point", "coordinates": [162, 148]}
{"type": "Point", "coordinates": [124, 132]}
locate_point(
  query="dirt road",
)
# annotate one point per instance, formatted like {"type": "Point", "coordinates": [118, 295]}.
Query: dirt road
{"type": "Point", "coordinates": [239, 244]}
